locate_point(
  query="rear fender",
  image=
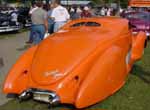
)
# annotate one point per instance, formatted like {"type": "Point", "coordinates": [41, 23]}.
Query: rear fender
{"type": "Point", "coordinates": [17, 77]}
{"type": "Point", "coordinates": [106, 76]}
{"type": "Point", "coordinates": [138, 43]}
{"type": "Point", "coordinates": [137, 50]}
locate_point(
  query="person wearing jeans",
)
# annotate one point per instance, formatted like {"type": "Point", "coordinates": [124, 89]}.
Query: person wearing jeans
{"type": "Point", "coordinates": [39, 23]}
{"type": "Point", "coordinates": [38, 33]}
{"type": "Point", "coordinates": [50, 21]}
{"type": "Point", "coordinates": [58, 25]}
{"type": "Point", "coordinates": [33, 8]}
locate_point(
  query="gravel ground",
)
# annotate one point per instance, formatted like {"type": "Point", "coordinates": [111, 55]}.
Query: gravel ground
{"type": "Point", "coordinates": [11, 47]}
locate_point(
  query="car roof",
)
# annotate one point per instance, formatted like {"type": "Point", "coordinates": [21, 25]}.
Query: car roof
{"type": "Point", "coordinates": [99, 19]}
{"type": "Point", "coordinates": [102, 20]}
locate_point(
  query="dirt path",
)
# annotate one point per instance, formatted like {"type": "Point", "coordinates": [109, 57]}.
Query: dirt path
{"type": "Point", "coordinates": [10, 49]}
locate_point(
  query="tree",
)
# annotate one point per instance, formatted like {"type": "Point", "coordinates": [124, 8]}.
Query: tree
{"type": "Point", "coordinates": [123, 3]}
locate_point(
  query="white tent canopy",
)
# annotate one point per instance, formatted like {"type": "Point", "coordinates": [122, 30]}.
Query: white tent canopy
{"type": "Point", "coordinates": [74, 2]}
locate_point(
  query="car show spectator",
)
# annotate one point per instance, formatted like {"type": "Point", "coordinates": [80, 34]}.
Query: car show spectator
{"type": "Point", "coordinates": [39, 23]}
{"type": "Point", "coordinates": [109, 12]}
{"type": "Point", "coordinates": [79, 10]}
{"type": "Point", "coordinates": [102, 11]}
{"type": "Point", "coordinates": [14, 17]}
{"type": "Point", "coordinates": [93, 12]}
{"type": "Point", "coordinates": [33, 8]}
{"type": "Point", "coordinates": [71, 12]}
{"type": "Point", "coordinates": [46, 7]}
{"type": "Point", "coordinates": [50, 20]}
{"type": "Point", "coordinates": [86, 13]}
{"type": "Point", "coordinates": [74, 14]}
{"type": "Point", "coordinates": [60, 14]}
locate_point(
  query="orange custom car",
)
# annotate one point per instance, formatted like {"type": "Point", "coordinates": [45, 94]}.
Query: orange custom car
{"type": "Point", "coordinates": [83, 63]}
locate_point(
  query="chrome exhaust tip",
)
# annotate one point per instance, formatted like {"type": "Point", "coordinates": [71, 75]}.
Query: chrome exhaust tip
{"type": "Point", "coordinates": [46, 96]}
{"type": "Point", "coordinates": [25, 95]}
{"type": "Point", "coordinates": [40, 95]}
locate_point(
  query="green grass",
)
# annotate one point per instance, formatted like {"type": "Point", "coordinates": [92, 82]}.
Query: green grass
{"type": "Point", "coordinates": [135, 95]}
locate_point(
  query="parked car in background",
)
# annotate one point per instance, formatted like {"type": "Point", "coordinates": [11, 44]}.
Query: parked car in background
{"type": "Point", "coordinates": [6, 25]}
{"type": "Point", "coordinates": [23, 16]}
{"type": "Point", "coordinates": [140, 21]}
{"type": "Point", "coordinates": [7, 16]}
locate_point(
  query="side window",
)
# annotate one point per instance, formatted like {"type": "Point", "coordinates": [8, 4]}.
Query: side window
{"type": "Point", "coordinates": [78, 24]}
{"type": "Point", "coordinates": [92, 24]}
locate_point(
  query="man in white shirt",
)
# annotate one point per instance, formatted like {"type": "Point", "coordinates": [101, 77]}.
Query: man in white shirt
{"type": "Point", "coordinates": [103, 11]}
{"type": "Point", "coordinates": [59, 14]}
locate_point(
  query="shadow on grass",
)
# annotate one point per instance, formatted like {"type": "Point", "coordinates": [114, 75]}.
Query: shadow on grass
{"type": "Point", "coordinates": [141, 73]}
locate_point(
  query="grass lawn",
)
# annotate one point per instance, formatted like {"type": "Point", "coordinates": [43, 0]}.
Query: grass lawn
{"type": "Point", "coordinates": [135, 95]}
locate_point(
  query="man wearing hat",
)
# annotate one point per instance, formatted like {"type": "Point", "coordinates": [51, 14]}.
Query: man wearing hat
{"type": "Point", "coordinates": [86, 13]}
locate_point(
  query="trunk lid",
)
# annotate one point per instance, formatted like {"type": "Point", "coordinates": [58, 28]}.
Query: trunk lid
{"type": "Point", "coordinates": [58, 55]}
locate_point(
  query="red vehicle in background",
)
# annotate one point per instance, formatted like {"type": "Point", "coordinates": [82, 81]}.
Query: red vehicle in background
{"type": "Point", "coordinates": [140, 21]}
{"type": "Point", "coordinates": [140, 17]}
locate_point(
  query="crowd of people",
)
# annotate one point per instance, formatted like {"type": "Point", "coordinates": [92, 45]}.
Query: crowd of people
{"type": "Point", "coordinates": [48, 18]}
{"type": "Point", "coordinates": [51, 19]}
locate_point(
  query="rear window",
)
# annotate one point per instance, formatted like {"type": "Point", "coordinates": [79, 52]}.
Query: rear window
{"type": "Point", "coordinates": [91, 24]}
